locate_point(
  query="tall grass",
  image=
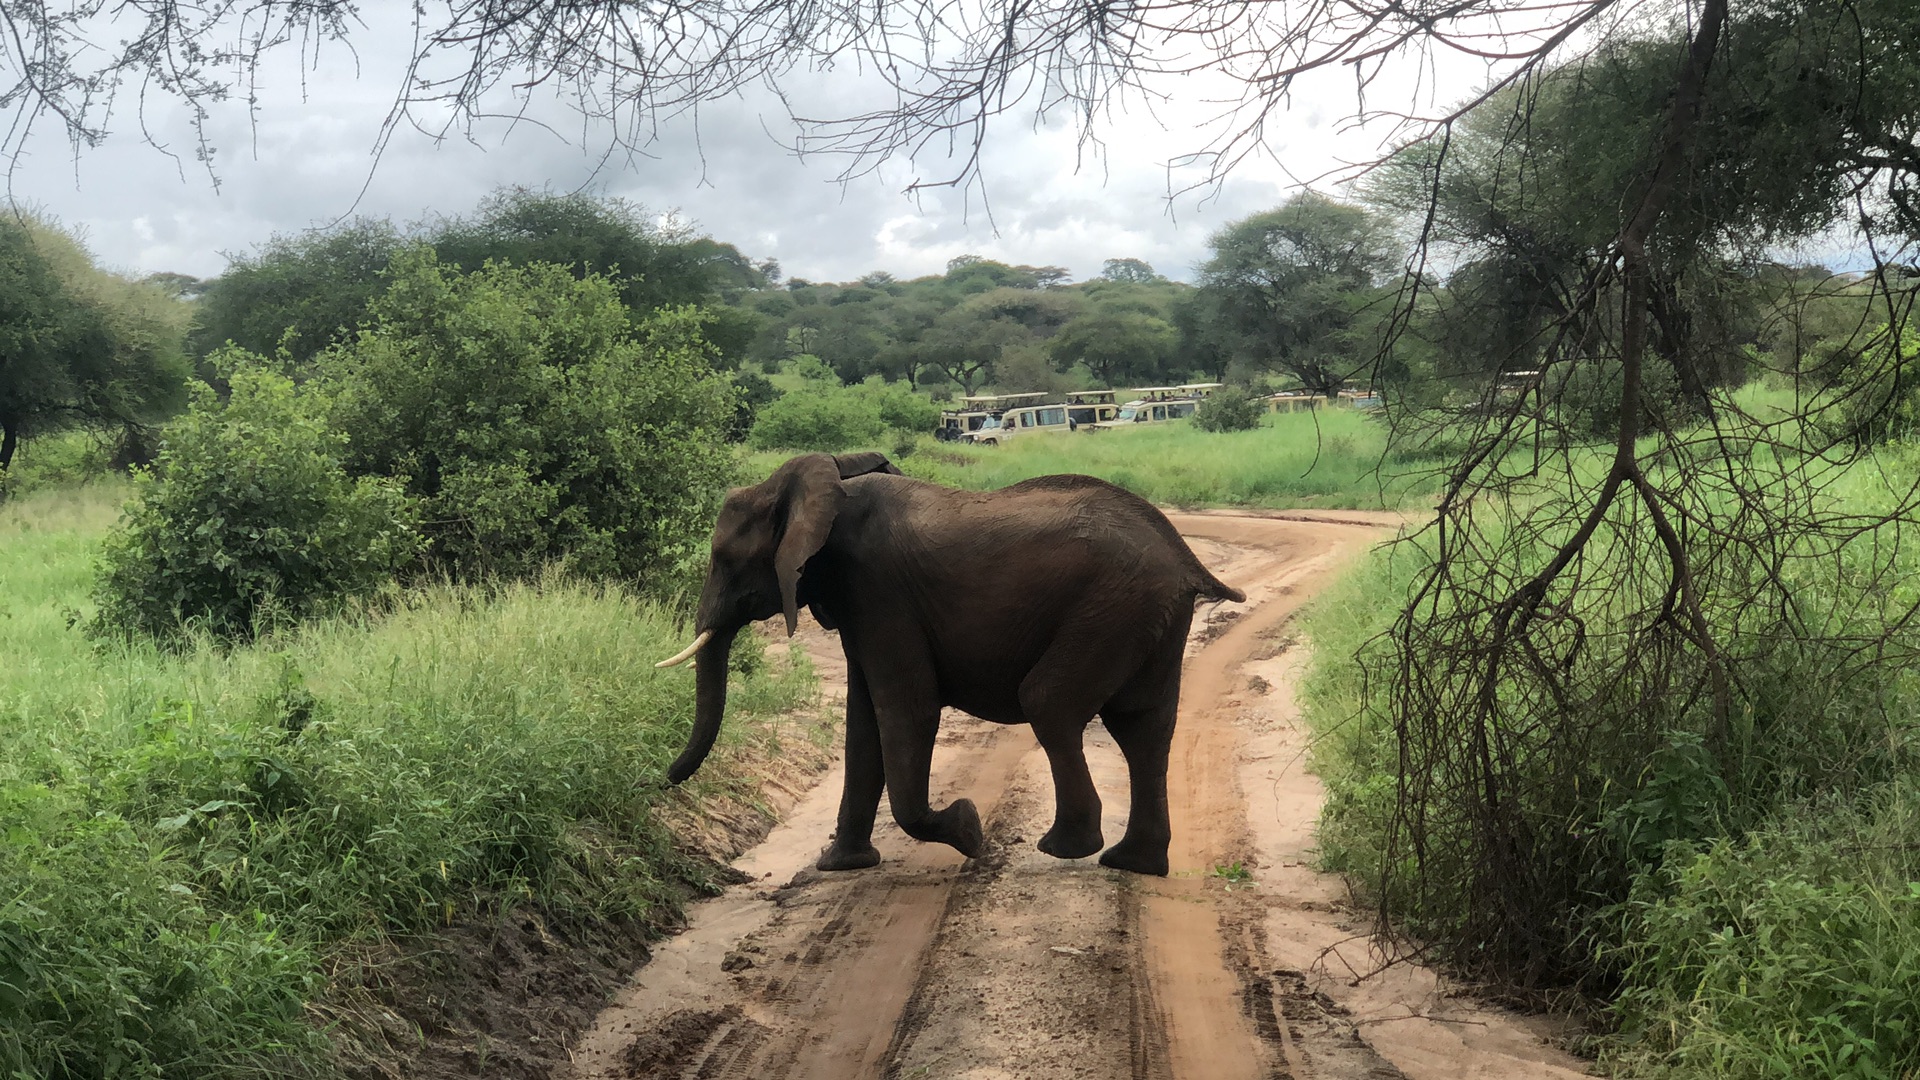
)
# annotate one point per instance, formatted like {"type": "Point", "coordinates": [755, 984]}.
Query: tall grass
{"type": "Point", "coordinates": [186, 836]}
{"type": "Point", "coordinates": [1330, 458]}
{"type": "Point", "coordinates": [1753, 911]}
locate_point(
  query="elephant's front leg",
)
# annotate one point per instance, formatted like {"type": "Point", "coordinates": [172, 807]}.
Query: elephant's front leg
{"type": "Point", "coordinates": [1076, 803]}
{"type": "Point", "coordinates": [852, 847]}
{"type": "Point", "coordinates": [908, 721]}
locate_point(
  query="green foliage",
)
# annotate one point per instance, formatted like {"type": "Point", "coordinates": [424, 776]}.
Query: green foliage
{"type": "Point", "coordinates": [1115, 344]}
{"type": "Point", "coordinates": [1607, 785]}
{"type": "Point", "coordinates": [250, 519]}
{"type": "Point", "coordinates": [533, 421]}
{"type": "Point", "coordinates": [1879, 394]}
{"type": "Point", "coordinates": [1588, 397]}
{"type": "Point", "coordinates": [307, 292]}
{"type": "Point", "coordinates": [1794, 952]}
{"type": "Point", "coordinates": [1294, 289]}
{"type": "Point", "coordinates": [654, 265]}
{"type": "Point", "coordinates": [299, 293]}
{"type": "Point", "coordinates": [194, 840]}
{"type": "Point", "coordinates": [822, 415]}
{"type": "Point", "coordinates": [1230, 408]}
{"type": "Point", "coordinates": [1130, 271]}
{"type": "Point", "coordinates": [80, 347]}
{"type": "Point", "coordinates": [112, 965]}
{"type": "Point", "coordinates": [982, 325]}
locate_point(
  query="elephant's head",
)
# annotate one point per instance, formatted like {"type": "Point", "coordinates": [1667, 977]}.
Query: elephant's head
{"type": "Point", "coordinates": [765, 535]}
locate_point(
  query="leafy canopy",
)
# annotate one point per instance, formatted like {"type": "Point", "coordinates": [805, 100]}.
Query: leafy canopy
{"type": "Point", "coordinates": [533, 420]}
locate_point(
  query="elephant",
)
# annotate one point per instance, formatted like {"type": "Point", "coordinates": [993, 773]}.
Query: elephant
{"type": "Point", "coordinates": [1045, 603]}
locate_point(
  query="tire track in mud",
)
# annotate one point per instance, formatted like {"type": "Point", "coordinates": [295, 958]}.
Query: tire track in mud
{"type": "Point", "coordinates": [1016, 965]}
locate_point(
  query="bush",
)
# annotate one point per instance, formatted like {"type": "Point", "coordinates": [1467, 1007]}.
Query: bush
{"type": "Point", "coordinates": [834, 418]}
{"type": "Point", "coordinates": [1878, 398]}
{"type": "Point", "coordinates": [250, 517]}
{"type": "Point", "coordinates": [1795, 952]}
{"type": "Point", "coordinates": [1589, 397]}
{"type": "Point", "coordinates": [1595, 790]}
{"type": "Point", "coordinates": [534, 422]}
{"type": "Point", "coordinates": [1229, 409]}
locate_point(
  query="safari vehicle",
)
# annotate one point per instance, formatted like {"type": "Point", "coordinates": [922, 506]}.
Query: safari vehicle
{"type": "Point", "coordinates": [955, 426]}
{"type": "Point", "coordinates": [1088, 407]}
{"type": "Point", "coordinates": [1156, 404]}
{"type": "Point", "coordinates": [978, 412]}
{"type": "Point", "coordinates": [1022, 421]}
{"type": "Point", "coordinates": [1294, 401]}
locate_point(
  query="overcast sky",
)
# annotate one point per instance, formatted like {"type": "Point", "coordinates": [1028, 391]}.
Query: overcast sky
{"type": "Point", "coordinates": [305, 163]}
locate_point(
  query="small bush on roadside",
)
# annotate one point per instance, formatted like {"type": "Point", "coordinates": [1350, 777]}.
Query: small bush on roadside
{"type": "Point", "coordinates": [833, 418]}
{"type": "Point", "coordinates": [250, 517]}
{"type": "Point", "coordinates": [535, 422]}
{"type": "Point", "coordinates": [1792, 953]}
{"type": "Point", "coordinates": [1229, 408]}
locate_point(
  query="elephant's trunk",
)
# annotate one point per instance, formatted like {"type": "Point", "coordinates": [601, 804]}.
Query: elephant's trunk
{"type": "Point", "coordinates": [710, 702]}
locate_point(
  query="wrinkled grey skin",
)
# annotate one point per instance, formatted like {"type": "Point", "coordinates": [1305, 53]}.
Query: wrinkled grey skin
{"type": "Point", "coordinates": [1046, 603]}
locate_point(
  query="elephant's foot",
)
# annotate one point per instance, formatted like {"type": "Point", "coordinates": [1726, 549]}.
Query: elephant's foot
{"type": "Point", "coordinates": [1064, 842]}
{"type": "Point", "coordinates": [957, 825]}
{"type": "Point", "coordinates": [847, 857]}
{"type": "Point", "coordinates": [1138, 856]}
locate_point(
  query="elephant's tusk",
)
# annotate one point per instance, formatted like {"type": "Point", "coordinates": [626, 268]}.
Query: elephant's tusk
{"type": "Point", "coordinates": [685, 654]}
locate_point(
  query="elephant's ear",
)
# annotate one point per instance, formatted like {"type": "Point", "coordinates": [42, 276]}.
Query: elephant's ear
{"type": "Point", "coordinates": [852, 465]}
{"type": "Point", "coordinates": [810, 498]}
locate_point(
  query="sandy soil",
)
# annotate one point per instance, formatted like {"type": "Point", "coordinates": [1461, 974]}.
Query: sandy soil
{"type": "Point", "coordinates": [1244, 962]}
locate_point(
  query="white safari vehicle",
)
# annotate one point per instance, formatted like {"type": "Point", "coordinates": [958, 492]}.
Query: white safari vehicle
{"type": "Point", "coordinates": [1158, 404]}
{"type": "Point", "coordinates": [1023, 420]}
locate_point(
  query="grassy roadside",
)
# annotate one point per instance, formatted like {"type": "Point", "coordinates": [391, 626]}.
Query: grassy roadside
{"type": "Point", "coordinates": [195, 844]}
{"type": "Point", "coordinates": [1782, 945]}
{"type": "Point", "coordinates": [1334, 458]}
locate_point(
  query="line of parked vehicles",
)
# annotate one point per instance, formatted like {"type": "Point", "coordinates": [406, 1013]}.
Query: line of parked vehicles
{"type": "Point", "coordinates": [992, 419]}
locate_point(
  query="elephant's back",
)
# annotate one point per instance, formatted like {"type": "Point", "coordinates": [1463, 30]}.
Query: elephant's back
{"type": "Point", "coordinates": [1120, 530]}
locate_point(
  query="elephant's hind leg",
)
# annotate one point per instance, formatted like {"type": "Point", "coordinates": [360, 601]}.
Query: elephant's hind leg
{"type": "Point", "coordinates": [1083, 667]}
{"type": "Point", "coordinates": [1145, 737]}
{"type": "Point", "coordinates": [1076, 815]}
{"type": "Point", "coordinates": [852, 847]}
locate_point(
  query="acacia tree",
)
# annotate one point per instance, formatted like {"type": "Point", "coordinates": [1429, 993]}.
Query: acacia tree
{"type": "Point", "coordinates": [80, 347]}
{"type": "Point", "coordinates": [1288, 288]}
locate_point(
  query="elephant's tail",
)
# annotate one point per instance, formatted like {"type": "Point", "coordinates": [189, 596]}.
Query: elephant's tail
{"type": "Point", "coordinates": [1212, 588]}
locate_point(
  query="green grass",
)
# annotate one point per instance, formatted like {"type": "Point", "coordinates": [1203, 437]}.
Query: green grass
{"type": "Point", "coordinates": [1332, 458]}
{"type": "Point", "coordinates": [1774, 933]}
{"type": "Point", "coordinates": [187, 837]}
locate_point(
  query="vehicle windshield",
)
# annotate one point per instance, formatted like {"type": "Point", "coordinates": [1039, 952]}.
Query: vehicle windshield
{"type": "Point", "coordinates": [1127, 413]}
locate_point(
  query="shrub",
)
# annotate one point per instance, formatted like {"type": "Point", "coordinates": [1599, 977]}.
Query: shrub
{"type": "Point", "coordinates": [535, 423]}
{"type": "Point", "coordinates": [1589, 397]}
{"type": "Point", "coordinates": [1228, 409]}
{"type": "Point", "coordinates": [1878, 398]}
{"type": "Point", "coordinates": [1794, 952]}
{"type": "Point", "coordinates": [249, 517]}
{"type": "Point", "coordinates": [834, 418]}
{"type": "Point", "coordinates": [899, 407]}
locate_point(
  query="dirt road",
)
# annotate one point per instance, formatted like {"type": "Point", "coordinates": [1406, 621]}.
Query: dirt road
{"type": "Point", "coordinates": [1241, 963]}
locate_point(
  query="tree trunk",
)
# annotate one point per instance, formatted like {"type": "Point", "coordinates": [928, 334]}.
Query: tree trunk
{"type": "Point", "coordinates": [9, 442]}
